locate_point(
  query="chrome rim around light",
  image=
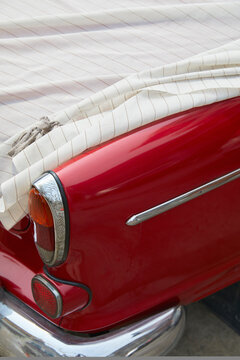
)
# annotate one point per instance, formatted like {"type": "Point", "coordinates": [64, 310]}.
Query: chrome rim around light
{"type": "Point", "coordinates": [48, 188]}
{"type": "Point", "coordinates": [54, 291]}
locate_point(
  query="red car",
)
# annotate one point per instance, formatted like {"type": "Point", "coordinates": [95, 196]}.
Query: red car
{"type": "Point", "coordinates": [120, 238]}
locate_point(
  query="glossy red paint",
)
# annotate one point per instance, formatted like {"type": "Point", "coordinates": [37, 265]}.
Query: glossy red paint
{"type": "Point", "coordinates": [22, 225]}
{"type": "Point", "coordinates": [19, 263]}
{"type": "Point", "coordinates": [133, 269]}
{"type": "Point", "coordinates": [177, 257]}
{"type": "Point", "coordinates": [73, 298]}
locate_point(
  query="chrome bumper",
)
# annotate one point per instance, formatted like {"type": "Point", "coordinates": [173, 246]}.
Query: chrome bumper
{"type": "Point", "coordinates": [25, 333]}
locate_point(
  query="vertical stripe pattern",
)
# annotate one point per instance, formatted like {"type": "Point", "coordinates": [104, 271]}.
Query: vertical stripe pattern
{"type": "Point", "coordinates": [99, 71]}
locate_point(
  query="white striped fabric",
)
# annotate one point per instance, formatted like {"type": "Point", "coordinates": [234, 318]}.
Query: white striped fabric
{"type": "Point", "coordinates": [102, 72]}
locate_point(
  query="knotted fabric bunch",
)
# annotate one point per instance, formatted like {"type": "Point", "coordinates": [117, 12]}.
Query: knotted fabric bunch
{"type": "Point", "coordinates": [97, 73]}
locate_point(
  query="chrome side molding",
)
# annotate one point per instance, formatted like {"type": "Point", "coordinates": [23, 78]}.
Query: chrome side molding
{"type": "Point", "coordinates": [181, 199]}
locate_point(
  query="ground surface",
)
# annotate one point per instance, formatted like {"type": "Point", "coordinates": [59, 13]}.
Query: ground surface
{"type": "Point", "coordinates": [206, 335]}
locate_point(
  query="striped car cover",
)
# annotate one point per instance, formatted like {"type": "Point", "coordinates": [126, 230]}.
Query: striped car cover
{"type": "Point", "coordinates": [74, 74]}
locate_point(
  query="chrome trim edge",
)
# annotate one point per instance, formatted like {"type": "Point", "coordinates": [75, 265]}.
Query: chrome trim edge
{"type": "Point", "coordinates": [48, 187]}
{"type": "Point", "coordinates": [23, 332]}
{"type": "Point", "coordinates": [55, 292]}
{"type": "Point", "coordinates": [181, 199]}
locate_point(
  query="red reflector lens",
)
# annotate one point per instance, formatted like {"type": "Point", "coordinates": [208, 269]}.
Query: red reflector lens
{"type": "Point", "coordinates": [46, 297]}
{"type": "Point", "coordinates": [39, 209]}
{"type": "Point", "coordinates": [45, 237]}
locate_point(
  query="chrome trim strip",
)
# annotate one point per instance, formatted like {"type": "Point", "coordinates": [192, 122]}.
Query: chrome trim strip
{"type": "Point", "coordinates": [179, 200]}
{"type": "Point", "coordinates": [23, 332]}
{"type": "Point", "coordinates": [48, 188]}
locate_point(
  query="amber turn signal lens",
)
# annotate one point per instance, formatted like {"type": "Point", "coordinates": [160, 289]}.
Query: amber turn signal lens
{"type": "Point", "coordinates": [49, 212]}
{"type": "Point", "coordinates": [39, 209]}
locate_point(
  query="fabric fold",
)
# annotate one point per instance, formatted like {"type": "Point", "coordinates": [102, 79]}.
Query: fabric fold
{"type": "Point", "coordinates": [156, 89]}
